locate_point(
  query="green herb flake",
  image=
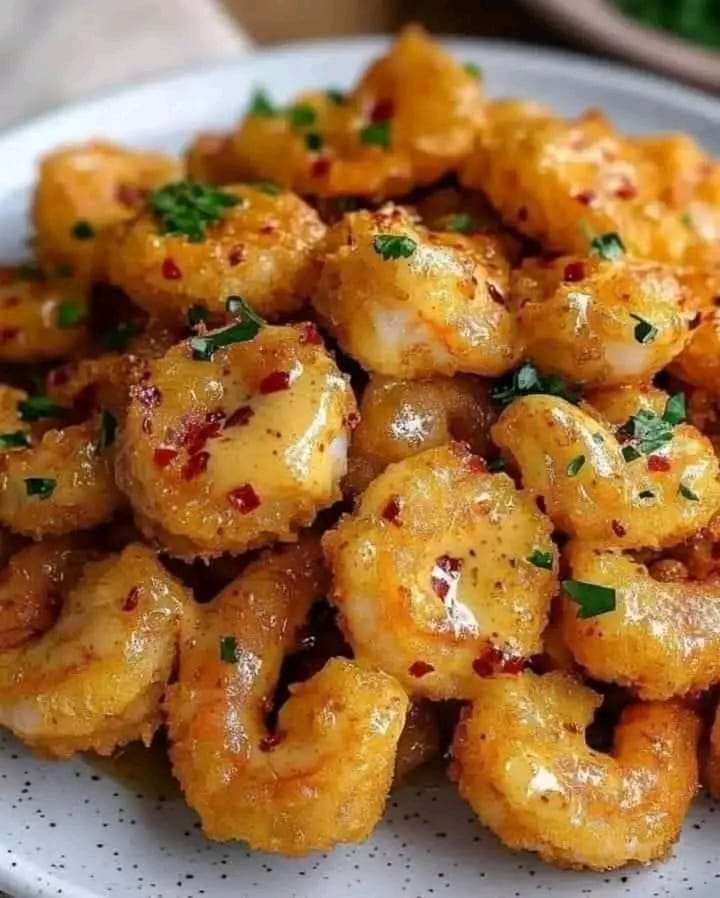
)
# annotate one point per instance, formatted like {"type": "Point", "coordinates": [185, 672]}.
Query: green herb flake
{"type": "Point", "coordinates": [648, 432]}
{"type": "Point", "coordinates": [527, 381]}
{"type": "Point", "coordinates": [675, 410]}
{"type": "Point", "coordinates": [473, 69]}
{"type": "Point", "coordinates": [70, 314]}
{"type": "Point", "coordinates": [196, 315]}
{"type": "Point", "coordinates": [229, 650]}
{"type": "Point", "coordinates": [459, 223]}
{"type": "Point", "coordinates": [541, 559]}
{"type": "Point", "coordinates": [629, 453]}
{"type": "Point", "coordinates": [301, 115]}
{"type": "Point", "coordinates": [336, 96]}
{"type": "Point", "coordinates": [598, 438]}
{"type": "Point", "coordinates": [314, 141]}
{"type": "Point", "coordinates": [262, 106]}
{"type": "Point", "coordinates": [42, 487]}
{"type": "Point", "coordinates": [268, 187]}
{"type": "Point", "coordinates": [187, 209]}
{"type": "Point", "coordinates": [108, 431]}
{"type": "Point", "coordinates": [36, 408]}
{"type": "Point", "coordinates": [394, 246]}
{"type": "Point", "coordinates": [204, 348]}
{"type": "Point", "coordinates": [83, 230]}
{"type": "Point", "coordinates": [17, 439]}
{"type": "Point", "coordinates": [607, 246]}
{"type": "Point", "coordinates": [644, 331]}
{"type": "Point", "coordinates": [592, 598]}
{"type": "Point", "coordinates": [241, 308]}
{"type": "Point", "coordinates": [575, 466]}
{"type": "Point", "coordinates": [687, 493]}
{"type": "Point", "coordinates": [376, 134]}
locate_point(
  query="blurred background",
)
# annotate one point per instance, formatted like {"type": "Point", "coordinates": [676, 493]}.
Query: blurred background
{"type": "Point", "coordinates": [52, 51]}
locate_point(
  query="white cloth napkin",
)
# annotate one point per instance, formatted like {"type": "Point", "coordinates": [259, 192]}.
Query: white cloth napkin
{"type": "Point", "coordinates": [52, 51]}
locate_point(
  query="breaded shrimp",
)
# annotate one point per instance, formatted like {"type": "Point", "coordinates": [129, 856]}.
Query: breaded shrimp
{"type": "Point", "coordinates": [712, 768]}
{"type": "Point", "coordinates": [699, 363]}
{"type": "Point", "coordinates": [82, 192]}
{"type": "Point", "coordinates": [96, 678]}
{"type": "Point", "coordinates": [261, 248]}
{"type": "Point", "coordinates": [399, 418]}
{"type": "Point", "coordinates": [321, 777]}
{"type": "Point", "coordinates": [616, 472]}
{"type": "Point", "coordinates": [239, 447]}
{"type": "Point", "coordinates": [661, 640]}
{"type": "Point", "coordinates": [443, 573]}
{"type": "Point", "coordinates": [523, 764]}
{"type": "Point", "coordinates": [601, 322]}
{"type": "Point", "coordinates": [408, 302]}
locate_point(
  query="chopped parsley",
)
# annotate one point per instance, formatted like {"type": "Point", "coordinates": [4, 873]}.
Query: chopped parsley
{"type": "Point", "coordinates": [394, 246]}
{"type": "Point", "coordinates": [335, 96]}
{"type": "Point", "coordinates": [83, 230]}
{"type": "Point", "coordinates": [268, 187]}
{"type": "Point", "coordinates": [644, 331]}
{"type": "Point", "coordinates": [607, 246]}
{"type": "Point", "coordinates": [376, 134]}
{"type": "Point", "coordinates": [314, 141]}
{"type": "Point", "coordinates": [592, 598]}
{"type": "Point", "coordinates": [675, 411]}
{"type": "Point", "coordinates": [649, 431]}
{"type": "Point", "coordinates": [229, 650]}
{"type": "Point", "coordinates": [575, 465]}
{"type": "Point", "coordinates": [687, 493]}
{"type": "Point", "coordinates": [43, 487]}
{"type": "Point", "coordinates": [70, 314]}
{"type": "Point", "coordinates": [473, 69]}
{"type": "Point", "coordinates": [459, 222]}
{"type": "Point", "coordinates": [197, 314]}
{"type": "Point", "coordinates": [527, 381]}
{"type": "Point", "coordinates": [18, 439]}
{"type": "Point", "coordinates": [541, 559]}
{"type": "Point", "coordinates": [204, 347]}
{"type": "Point", "coordinates": [35, 408]}
{"type": "Point", "coordinates": [108, 431]}
{"type": "Point", "coordinates": [186, 208]}
{"type": "Point", "coordinates": [301, 115]}
{"type": "Point", "coordinates": [261, 105]}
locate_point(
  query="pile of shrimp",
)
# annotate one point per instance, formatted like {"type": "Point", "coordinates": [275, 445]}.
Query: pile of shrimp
{"type": "Point", "coordinates": [380, 429]}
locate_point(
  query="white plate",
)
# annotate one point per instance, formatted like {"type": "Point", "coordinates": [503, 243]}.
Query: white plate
{"type": "Point", "coordinates": [72, 828]}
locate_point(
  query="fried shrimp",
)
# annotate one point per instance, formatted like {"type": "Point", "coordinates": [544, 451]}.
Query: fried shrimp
{"type": "Point", "coordinates": [699, 363]}
{"type": "Point", "coordinates": [96, 678]}
{"type": "Point", "coordinates": [83, 191]}
{"type": "Point", "coordinates": [399, 418]}
{"type": "Point", "coordinates": [601, 322]}
{"type": "Point", "coordinates": [662, 638]}
{"type": "Point", "coordinates": [261, 247]}
{"type": "Point", "coordinates": [712, 770]}
{"type": "Point", "coordinates": [523, 764]}
{"type": "Point", "coordinates": [408, 302]}
{"type": "Point", "coordinates": [620, 472]}
{"type": "Point", "coordinates": [40, 318]}
{"type": "Point", "coordinates": [443, 574]}
{"type": "Point", "coordinates": [228, 447]}
{"type": "Point", "coordinates": [322, 775]}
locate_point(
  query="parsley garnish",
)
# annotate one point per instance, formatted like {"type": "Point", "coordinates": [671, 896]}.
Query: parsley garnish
{"type": "Point", "coordinates": [394, 246]}
{"type": "Point", "coordinates": [187, 208]}
{"type": "Point", "coordinates": [675, 411]}
{"type": "Point", "coordinates": [229, 650]}
{"type": "Point", "coordinates": [644, 331]}
{"type": "Point", "coordinates": [592, 598]}
{"type": "Point", "coordinates": [575, 465]}
{"type": "Point", "coordinates": [18, 439]}
{"type": "Point", "coordinates": [196, 314]}
{"type": "Point", "coordinates": [541, 559]}
{"type": "Point", "coordinates": [649, 432]}
{"type": "Point", "coordinates": [527, 381]}
{"type": "Point", "coordinates": [43, 487]}
{"type": "Point", "coordinates": [335, 96]}
{"type": "Point", "coordinates": [607, 246]}
{"type": "Point", "coordinates": [687, 493]}
{"type": "Point", "coordinates": [473, 69]}
{"type": "Point", "coordinates": [70, 314]}
{"type": "Point", "coordinates": [240, 308]}
{"type": "Point", "coordinates": [301, 115]}
{"type": "Point", "coordinates": [376, 134]}
{"type": "Point", "coordinates": [459, 222]}
{"type": "Point", "coordinates": [205, 347]}
{"type": "Point", "coordinates": [35, 408]}
{"type": "Point", "coordinates": [261, 105]}
{"type": "Point", "coordinates": [83, 230]}
{"type": "Point", "coordinates": [268, 187]}
{"type": "Point", "coordinates": [108, 430]}
{"type": "Point", "coordinates": [118, 338]}
{"type": "Point", "coordinates": [314, 141]}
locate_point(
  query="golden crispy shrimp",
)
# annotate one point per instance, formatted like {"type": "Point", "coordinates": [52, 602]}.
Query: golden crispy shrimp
{"type": "Point", "coordinates": [82, 192]}
{"type": "Point", "coordinates": [96, 678]}
{"type": "Point", "coordinates": [261, 247]}
{"type": "Point", "coordinates": [712, 767]}
{"type": "Point", "coordinates": [40, 318]}
{"type": "Point", "coordinates": [31, 586]}
{"type": "Point", "coordinates": [661, 639]}
{"type": "Point", "coordinates": [632, 478]}
{"type": "Point", "coordinates": [443, 573]}
{"type": "Point", "coordinates": [407, 302]}
{"type": "Point", "coordinates": [699, 363]}
{"type": "Point", "coordinates": [523, 764]}
{"type": "Point", "coordinates": [399, 418]}
{"type": "Point", "coordinates": [412, 118]}
{"type": "Point", "coordinates": [210, 159]}
{"type": "Point", "coordinates": [601, 322]}
{"type": "Point", "coordinates": [322, 775]}
{"type": "Point", "coordinates": [238, 448]}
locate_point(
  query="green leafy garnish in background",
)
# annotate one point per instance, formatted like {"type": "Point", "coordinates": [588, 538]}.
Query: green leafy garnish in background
{"type": "Point", "coordinates": [695, 20]}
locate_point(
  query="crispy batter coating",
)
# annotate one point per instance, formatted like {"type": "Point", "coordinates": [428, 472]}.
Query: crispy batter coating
{"type": "Point", "coordinates": [408, 302]}
{"type": "Point", "coordinates": [712, 768]}
{"type": "Point", "coordinates": [699, 363]}
{"type": "Point", "coordinates": [261, 249]}
{"type": "Point", "coordinates": [321, 777]}
{"type": "Point", "coordinates": [82, 192]}
{"type": "Point", "coordinates": [522, 762]}
{"type": "Point", "coordinates": [433, 573]}
{"type": "Point", "coordinates": [237, 451]}
{"type": "Point", "coordinates": [96, 678]}
{"type": "Point", "coordinates": [572, 458]}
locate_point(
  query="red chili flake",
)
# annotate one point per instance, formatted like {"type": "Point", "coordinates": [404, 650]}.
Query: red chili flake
{"type": "Point", "coordinates": [391, 512]}
{"type": "Point", "coordinates": [310, 334]}
{"type": "Point", "coordinates": [477, 465]}
{"type": "Point", "coordinates": [618, 528]}
{"type": "Point", "coordinates": [626, 191]}
{"type": "Point", "coordinates": [170, 270]}
{"type": "Point", "coordinates": [197, 431]}
{"type": "Point", "coordinates": [131, 599]}
{"type": "Point", "coordinates": [240, 417]}
{"type": "Point", "coordinates": [320, 167]}
{"type": "Point", "coordinates": [130, 195]}
{"type": "Point", "coordinates": [236, 255]}
{"type": "Point", "coordinates": [420, 669]}
{"type": "Point", "coordinates": [58, 376]}
{"type": "Point", "coordinates": [448, 569]}
{"type": "Point", "coordinates": [163, 455]}
{"type": "Point", "coordinates": [271, 741]}
{"type": "Point", "coordinates": [658, 463]}
{"type": "Point", "coordinates": [8, 333]}
{"type": "Point", "coordinates": [494, 661]}
{"type": "Point", "coordinates": [147, 394]}
{"type": "Point", "coordinates": [195, 465]}
{"type": "Point", "coordinates": [495, 294]}
{"type": "Point", "coordinates": [574, 271]}
{"type": "Point", "coordinates": [352, 420]}
{"type": "Point", "coordinates": [382, 111]}
{"type": "Point", "coordinates": [586, 197]}
{"type": "Point", "coordinates": [522, 213]}
{"type": "Point", "coordinates": [275, 382]}
{"type": "Point", "coordinates": [244, 498]}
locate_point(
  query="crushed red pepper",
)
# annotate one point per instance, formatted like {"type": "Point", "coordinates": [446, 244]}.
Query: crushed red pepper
{"type": "Point", "coordinates": [244, 499]}
{"type": "Point", "coordinates": [275, 382]}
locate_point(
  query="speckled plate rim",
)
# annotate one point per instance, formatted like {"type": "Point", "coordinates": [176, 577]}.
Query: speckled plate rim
{"type": "Point", "coordinates": [151, 114]}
